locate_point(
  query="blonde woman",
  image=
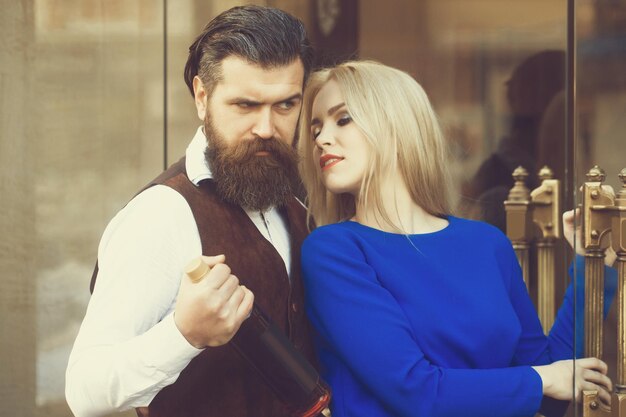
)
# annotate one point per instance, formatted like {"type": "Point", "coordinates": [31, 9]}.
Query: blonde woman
{"type": "Point", "coordinates": [416, 312]}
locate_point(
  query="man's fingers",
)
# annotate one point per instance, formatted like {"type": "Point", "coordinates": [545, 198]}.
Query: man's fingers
{"type": "Point", "coordinates": [228, 287]}
{"type": "Point", "coordinates": [237, 297]}
{"type": "Point", "coordinates": [214, 260]}
{"type": "Point", "coordinates": [245, 307]}
{"type": "Point", "coordinates": [217, 276]}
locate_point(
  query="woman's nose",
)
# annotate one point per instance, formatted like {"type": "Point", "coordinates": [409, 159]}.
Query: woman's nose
{"type": "Point", "coordinates": [324, 138]}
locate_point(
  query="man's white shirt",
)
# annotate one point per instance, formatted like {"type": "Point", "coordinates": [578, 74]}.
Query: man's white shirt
{"type": "Point", "coordinates": [128, 347]}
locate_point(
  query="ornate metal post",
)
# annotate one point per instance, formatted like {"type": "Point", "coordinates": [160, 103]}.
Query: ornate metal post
{"type": "Point", "coordinates": [546, 211]}
{"type": "Point", "coordinates": [518, 220]}
{"type": "Point", "coordinates": [603, 213]}
{"type": "Point", "coordinates": [618, 227]}
{"type": "Point", "coordinates": [596, 225]}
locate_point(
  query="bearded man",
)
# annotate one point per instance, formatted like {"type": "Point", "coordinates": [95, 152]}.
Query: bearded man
{"type": "Point", "coordinates": [151, 339]}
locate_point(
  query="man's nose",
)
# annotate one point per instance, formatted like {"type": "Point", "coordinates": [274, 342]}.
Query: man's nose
{"type": "Point", "coordinates": [264, 127]}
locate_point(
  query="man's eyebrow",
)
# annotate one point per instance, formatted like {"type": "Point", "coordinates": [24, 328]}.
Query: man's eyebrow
{"type": "Point", "coordinates": [297, 96]}
{"type": "Point", "coordinates": [244, 100]}
{"type": "Point", "coordinates": [330, 112]}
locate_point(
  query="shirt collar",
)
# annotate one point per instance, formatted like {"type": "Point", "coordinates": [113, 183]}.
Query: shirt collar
{"type": "Point", "coordinates": [195, 162]}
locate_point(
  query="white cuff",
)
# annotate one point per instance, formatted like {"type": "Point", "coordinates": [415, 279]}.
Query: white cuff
{"type": "Point", "coordinates": [165, 348]}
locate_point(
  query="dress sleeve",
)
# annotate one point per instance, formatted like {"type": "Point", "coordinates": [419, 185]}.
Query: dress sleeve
{"type": "Point", "coordinates": [366, 329]}
{"type": "Point", "coordinates": [128, 347]}
{"type": "Point", "coordinates": [535, 348]}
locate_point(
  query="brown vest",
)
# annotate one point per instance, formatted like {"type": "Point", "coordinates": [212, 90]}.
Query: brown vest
{"type": "Point", "coordinates": [218, 382]}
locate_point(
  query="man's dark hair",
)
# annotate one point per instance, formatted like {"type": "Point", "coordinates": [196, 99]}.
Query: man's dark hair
{"type": "Point", "coordinates": [263, 36]}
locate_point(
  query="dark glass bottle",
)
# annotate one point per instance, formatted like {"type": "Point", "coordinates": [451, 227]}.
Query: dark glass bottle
{"type": "Point", "coordinates": [266, 348]}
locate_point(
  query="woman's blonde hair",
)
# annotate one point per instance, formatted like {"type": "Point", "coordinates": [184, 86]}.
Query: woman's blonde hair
{"type": "Point", "coordinates": [394, 114]}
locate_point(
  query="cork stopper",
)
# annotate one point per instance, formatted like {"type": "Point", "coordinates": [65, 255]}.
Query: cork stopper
{"type": "Point", "coordinates": [196, 270]}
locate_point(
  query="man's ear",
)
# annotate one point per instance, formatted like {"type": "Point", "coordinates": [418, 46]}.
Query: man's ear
{"type": "Point", "coordinates": [200, 97]}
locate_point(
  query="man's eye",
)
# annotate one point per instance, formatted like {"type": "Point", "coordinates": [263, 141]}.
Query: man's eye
{"type": "Point", "coordinates": [344, 120]}
{"type": "Point", "coordinates": [245, 104]}
{"type": "Point", "coordinates": [286, 105]}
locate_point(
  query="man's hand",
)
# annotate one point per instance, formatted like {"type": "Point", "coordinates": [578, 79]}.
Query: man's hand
{"type": "Point", "coordinates": [587, 374]}
{"type": "Point", "coordinates": [209, 312]}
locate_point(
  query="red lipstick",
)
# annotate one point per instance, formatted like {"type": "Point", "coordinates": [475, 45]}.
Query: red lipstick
{"type": "Point", "coordinates": [329, 160]}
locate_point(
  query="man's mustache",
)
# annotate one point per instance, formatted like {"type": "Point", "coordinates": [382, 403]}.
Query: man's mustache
{"type": "Point", "coordinates": [247, 149]}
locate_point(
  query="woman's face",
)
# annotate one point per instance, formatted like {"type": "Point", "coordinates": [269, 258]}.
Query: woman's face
{"type": "Point", "coordinates": [341, 150]}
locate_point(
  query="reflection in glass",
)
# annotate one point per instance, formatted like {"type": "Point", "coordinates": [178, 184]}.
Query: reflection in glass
{"type": "Point", "coordinates": [600, 47]}
{"type": "Point", "coordinates": [535, 96]}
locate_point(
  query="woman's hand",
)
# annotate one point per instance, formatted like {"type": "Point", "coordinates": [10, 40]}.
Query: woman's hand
{"type": "Point", "coordinates": [587, 374]}
{"type": "Point", "coordinates": [570, 233]}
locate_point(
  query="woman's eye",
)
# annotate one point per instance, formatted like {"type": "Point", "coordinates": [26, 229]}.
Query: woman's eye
{"type": "Point", "coordinates": [315, 132]}
{"type": "Point", "coordinates": [344, 120]}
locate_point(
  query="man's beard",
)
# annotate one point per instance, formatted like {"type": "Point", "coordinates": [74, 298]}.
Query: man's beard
{"type": "Point", "coordinates": [251, 181]}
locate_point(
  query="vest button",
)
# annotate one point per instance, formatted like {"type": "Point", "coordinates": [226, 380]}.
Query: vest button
{"type": "Point", "coordinates": [294, 307]}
